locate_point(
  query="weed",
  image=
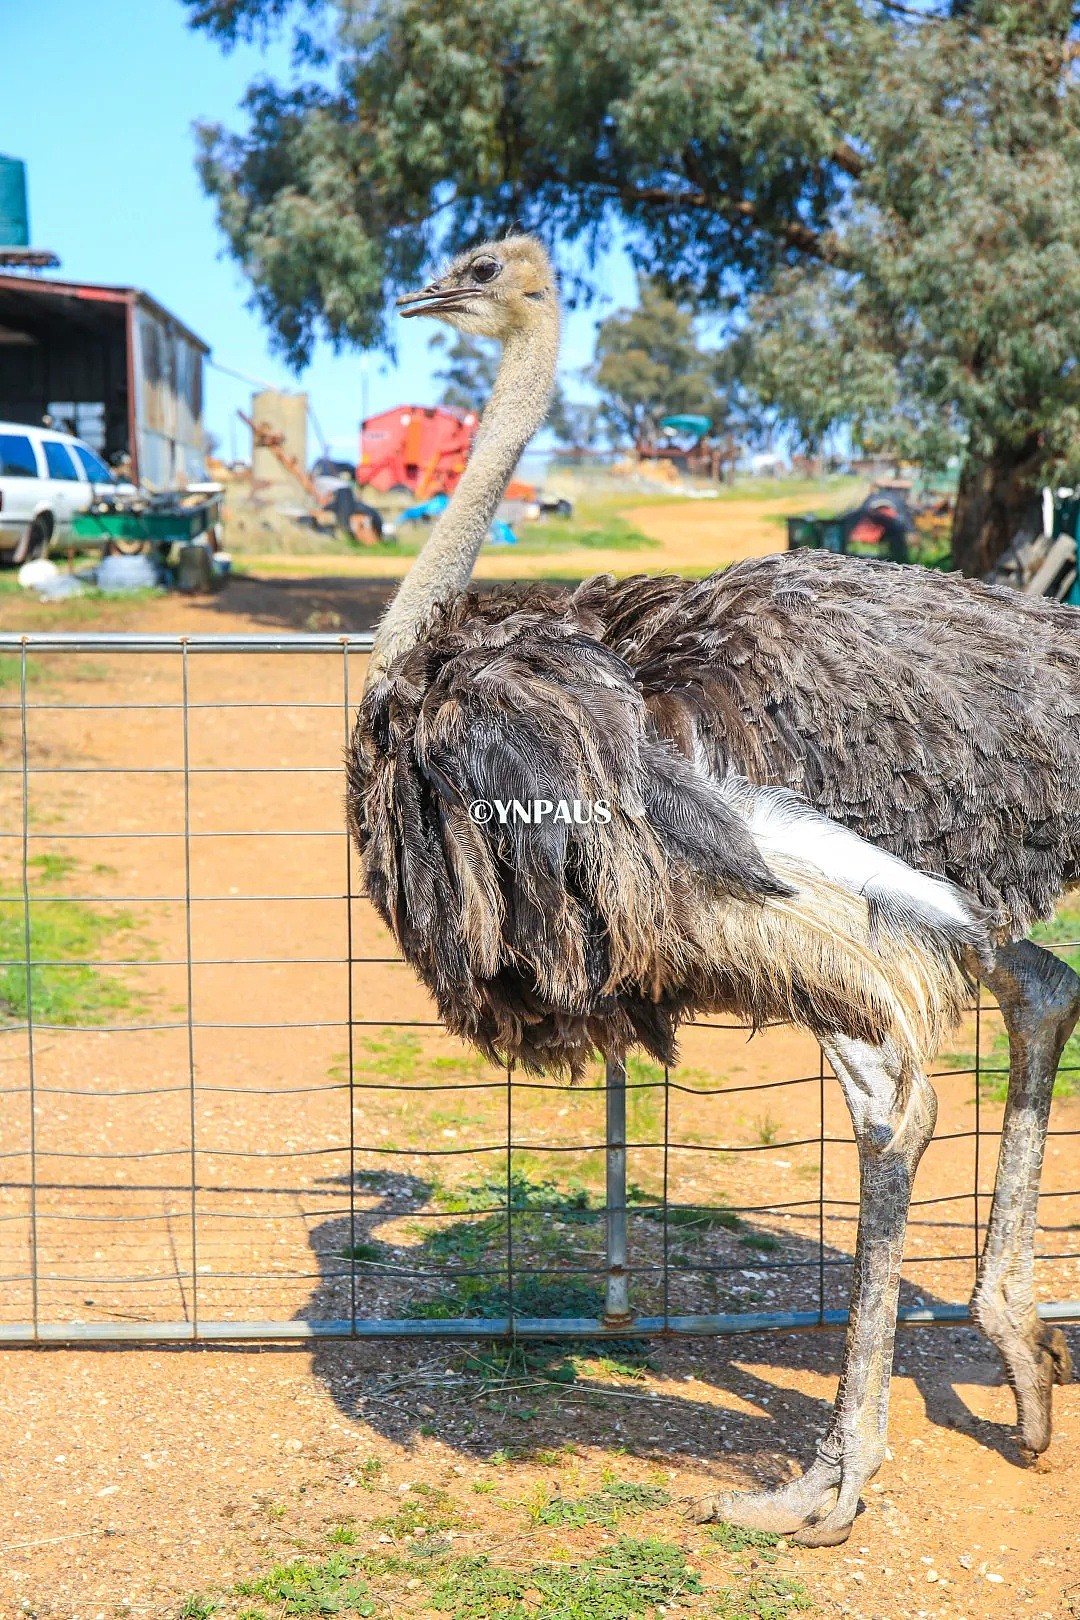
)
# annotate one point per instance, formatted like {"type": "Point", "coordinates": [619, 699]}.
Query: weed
{"type": "Point", "coordinates": [628, 1579]}
{"type": "Point", "coordinates": [604, 1507]}
{"type": "Point", "coordinates": [734, 1539]}
{"type": "Point", "coordinates": [197, 1607]}
{"type": "Point", "coordinates": [303, 1587]}
{"type": "Point", "coordinates": [369, 1471]}
{"type": "Point", "coordinates": [766, 1130]}
{"type": "Point", "coordinates": [342, 1535]}
{"type": "Point", "coordinates": [770, 1597]}
{"type": "Point", "coordinates": [424, 1510]}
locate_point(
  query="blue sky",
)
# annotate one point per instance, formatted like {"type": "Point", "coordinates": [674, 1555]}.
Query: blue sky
{"type": "Point", "coordinates": [101, 111]}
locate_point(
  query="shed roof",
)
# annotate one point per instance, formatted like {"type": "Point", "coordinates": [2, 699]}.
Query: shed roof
{"type": "Point", "coordinates": [46, 288]}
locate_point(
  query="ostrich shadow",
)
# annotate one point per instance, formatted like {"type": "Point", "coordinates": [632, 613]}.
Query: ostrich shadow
{"type": "Point", "coordinates": [397, 1257]}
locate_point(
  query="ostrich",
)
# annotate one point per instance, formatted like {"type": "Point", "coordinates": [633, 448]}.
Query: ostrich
{"type": "Point", "coordinates": [836, 792]}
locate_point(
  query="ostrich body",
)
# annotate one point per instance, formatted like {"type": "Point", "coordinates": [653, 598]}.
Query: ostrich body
{"type": "Point", "coordinates": [835, 790]}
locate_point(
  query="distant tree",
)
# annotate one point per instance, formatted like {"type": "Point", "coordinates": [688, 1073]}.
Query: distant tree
{"type": "Point", "coordinates": [649, 364]}
{"type": "Point", "coordinates": [573, 423]}
{"type": "Point", "coordinates": [469, 373]}
{"type": "Point", "coordinates": [890, 192]}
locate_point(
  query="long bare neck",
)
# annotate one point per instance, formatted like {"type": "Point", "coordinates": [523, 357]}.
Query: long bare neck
{"type": "Point", "coordinates": [516, 410]}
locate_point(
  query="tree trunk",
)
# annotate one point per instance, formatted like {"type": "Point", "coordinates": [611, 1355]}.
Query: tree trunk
{"type": "Point", "coordinates": [996, 496]}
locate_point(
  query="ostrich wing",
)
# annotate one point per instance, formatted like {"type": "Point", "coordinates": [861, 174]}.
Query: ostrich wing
{"type": "Point", "coordinates": [937, 717]}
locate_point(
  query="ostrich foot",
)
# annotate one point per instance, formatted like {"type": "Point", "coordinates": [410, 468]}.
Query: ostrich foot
{"type": "Point", "coordinates": [1034, 1363]}
{"type": "Point", "coordinates": [817, 1510]}
{"type": "Point", "coordinates": [1035, 1357]}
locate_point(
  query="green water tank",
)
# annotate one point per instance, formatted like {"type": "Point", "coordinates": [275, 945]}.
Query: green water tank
{"type": "Point", "coordinates": [14, 216]}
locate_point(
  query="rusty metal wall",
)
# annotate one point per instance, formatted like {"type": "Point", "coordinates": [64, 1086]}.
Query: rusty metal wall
{"type": "Point", "coordinates": [167, 373]}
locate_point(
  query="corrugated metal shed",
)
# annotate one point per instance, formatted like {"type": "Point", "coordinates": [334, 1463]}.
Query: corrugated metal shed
{"type": "Point", "coordinates": [127, 372]}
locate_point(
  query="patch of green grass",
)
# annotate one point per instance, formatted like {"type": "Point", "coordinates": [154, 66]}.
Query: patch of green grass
{"type": "Point", "coordinates": [497, 1364]}
{"type": "Point", "coordinates": [604, 1507]}
{"type": "Point", "coordinates": [762, 1241]}
{"type": "Point", "coordinates": [622, 1367]}
{"type": "Point", "coordinates": [540, 1210]}
{"type": "Point", "coordinates": [630, 1578]}
{"type": "Point", "coordinates": [424, 1510]}
{"type": "Point", "coordinates": [363, 1251]}
{"type": "Point", "coordinates": [699, 1218]}
{"type": "Point", "coordinates": [304, 1587]}
{"type": "Point", "coordinates": [595, 526]}
{"type": "Point", "coordinates": [51, 868]}
{"type": "Point", "coordinates": [489, 1297]}
{"type": "Point", "coordinates": [11, 671]}
{"type": "Point", "coordinates": [65, 936]}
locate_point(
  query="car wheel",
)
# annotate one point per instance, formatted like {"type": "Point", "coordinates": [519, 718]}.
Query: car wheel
{"type": "Point", "coordinates": [35, 543]}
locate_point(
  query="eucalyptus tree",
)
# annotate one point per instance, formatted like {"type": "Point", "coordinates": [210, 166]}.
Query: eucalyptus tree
{"type": "Point", "coordinates": [885, 194]}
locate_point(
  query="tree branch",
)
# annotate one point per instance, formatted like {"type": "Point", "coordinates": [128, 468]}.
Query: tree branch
{"type": "Point", "coordinates": [793, 233]}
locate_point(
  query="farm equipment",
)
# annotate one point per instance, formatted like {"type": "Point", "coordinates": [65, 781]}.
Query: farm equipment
{"type": "Point", "coordinates": [130, 524]}
{"type": "Point", "coordinates": [418, 450]}
{"type": "Point", "coordinates": [878, 528]}
{"type": "Point", "coordinates": [354, 516]}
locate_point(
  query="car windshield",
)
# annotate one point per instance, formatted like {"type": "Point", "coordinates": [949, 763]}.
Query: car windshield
{"type": "Point", "coordinates": [92, 465]}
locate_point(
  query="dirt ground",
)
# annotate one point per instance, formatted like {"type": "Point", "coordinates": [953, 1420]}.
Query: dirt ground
{"type": "Point", "coordinates": [133, 1478]}
{"type": "Point", "coordinates": [732, 530]}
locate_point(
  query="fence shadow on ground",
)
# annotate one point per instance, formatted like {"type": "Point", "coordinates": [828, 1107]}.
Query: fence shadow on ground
{"type": "Point", "coordinates": [532, 1397]}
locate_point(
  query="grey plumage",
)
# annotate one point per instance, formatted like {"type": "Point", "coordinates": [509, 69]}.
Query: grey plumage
{"type": "Point", "coordinates": [544, 944]}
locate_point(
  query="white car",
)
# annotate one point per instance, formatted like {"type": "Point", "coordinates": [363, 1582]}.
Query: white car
{"type": "Point", "coordinates": [46, 477]}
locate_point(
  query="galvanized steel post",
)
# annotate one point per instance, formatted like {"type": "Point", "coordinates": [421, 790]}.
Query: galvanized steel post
{"type": "Point", "coordinates": [617, 1301]}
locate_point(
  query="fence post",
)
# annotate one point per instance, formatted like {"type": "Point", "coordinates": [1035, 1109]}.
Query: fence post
{"type": "Point", "coordinates": [617, 1302]}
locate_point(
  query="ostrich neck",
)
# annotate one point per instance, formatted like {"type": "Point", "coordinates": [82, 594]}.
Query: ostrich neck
{"type": "Point", "coordinates": [516, 410]}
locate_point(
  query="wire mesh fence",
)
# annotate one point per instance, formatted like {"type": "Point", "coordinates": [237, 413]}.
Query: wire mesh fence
{"type": "Point", "coordinates": [228, 1111]}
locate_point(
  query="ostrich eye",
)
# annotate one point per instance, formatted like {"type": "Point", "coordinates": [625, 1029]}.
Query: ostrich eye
{"type": "Point", "coordinates": [485, 269]}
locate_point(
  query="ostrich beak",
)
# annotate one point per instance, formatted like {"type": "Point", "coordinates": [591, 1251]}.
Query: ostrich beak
{"type": "Point", "coordinates": [434, 299]}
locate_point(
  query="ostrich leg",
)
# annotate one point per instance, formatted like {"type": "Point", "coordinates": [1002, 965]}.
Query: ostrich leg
{"type": "Point", "coordinates": [893, 1116]}
{"type": "Point", "coordinates": [1039, 997]}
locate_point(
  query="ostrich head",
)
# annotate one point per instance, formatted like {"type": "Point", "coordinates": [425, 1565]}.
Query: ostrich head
{"type": "Point", "coordinates": [494, 290]}
{"type": "Point", "coordinates": [503, 290]}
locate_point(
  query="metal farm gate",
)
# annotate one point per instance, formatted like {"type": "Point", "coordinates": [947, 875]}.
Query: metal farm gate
{"type": "Point", "coordinates": [226, 1112]}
